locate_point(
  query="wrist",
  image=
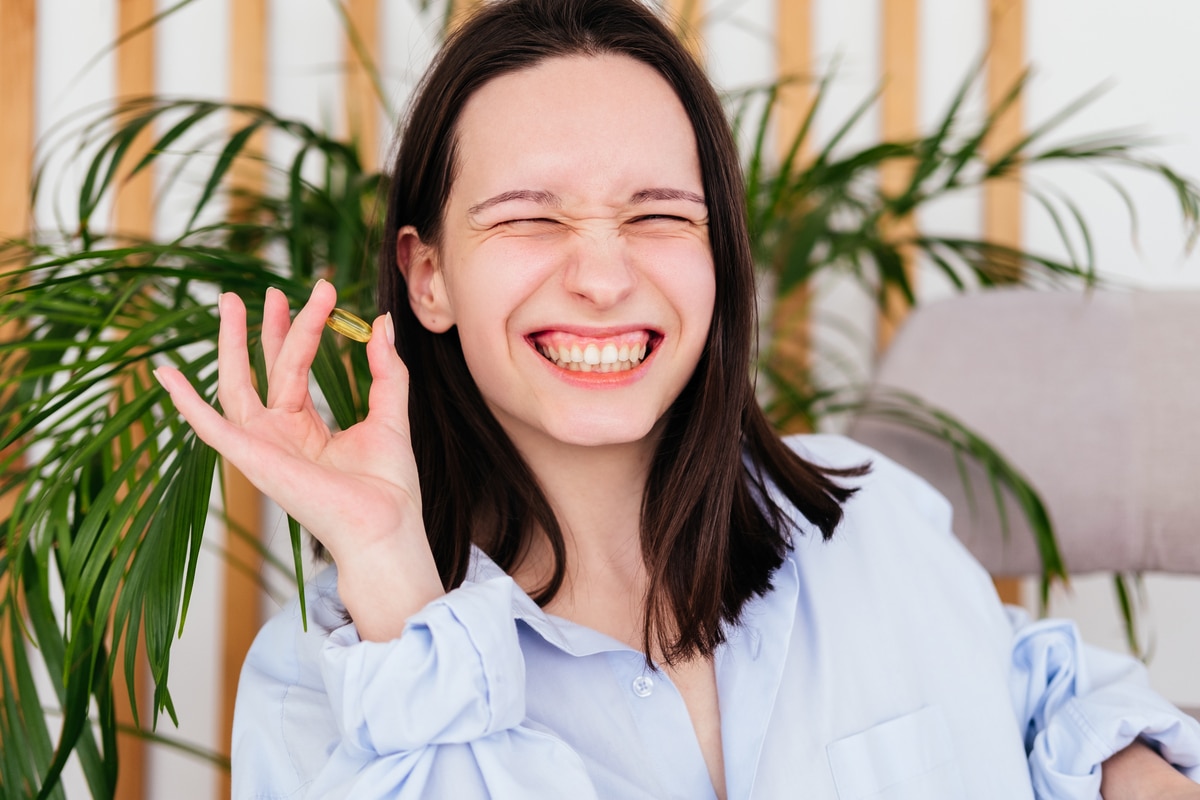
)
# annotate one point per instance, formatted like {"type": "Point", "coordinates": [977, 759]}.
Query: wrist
{"type": "Point", "coordinates": [1139, 772]}
{"type": "Point", "coordinates": [384, 584]}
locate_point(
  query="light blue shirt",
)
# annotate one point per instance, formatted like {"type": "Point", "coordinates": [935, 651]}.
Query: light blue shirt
{"type": "Point", "coordinates": [881, 665]}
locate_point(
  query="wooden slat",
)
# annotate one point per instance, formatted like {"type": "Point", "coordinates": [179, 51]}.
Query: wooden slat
{"type": "Point", "coordinates": [795, 68]}
{"type": "Point", "coordinates": [131, 749]}
{"type": "Point", "coordinates": [18, 19]}
{"type": "Point", "coordinates": [688, 16]}
{"type": "Point", "coordinates": [899, 121]}
{"type": "Point", "coordinates": [248, 83]}
{"type": "Point", "coordinates": [791, 326]}
{"type": "Point", "coordinates": [1002, 200]}
{"type": "Point", "coordinates": [1010, 591]}
{"type": "Point", "coordinates": [362, 100]}
{"type": "Point", "coordinates": [18, 28]}
{"type": "Point", "coordinates": [133, 217]}
{"type": "Point", "coordinates": [134, 209]}
{"type": "Point", "coordinates": [240, 618]}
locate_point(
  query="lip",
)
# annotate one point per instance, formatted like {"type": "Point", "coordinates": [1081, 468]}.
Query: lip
{"type": "Point", "coordinates": [597, 379]}
{"type": "Point", "coordinates": [589, 332]}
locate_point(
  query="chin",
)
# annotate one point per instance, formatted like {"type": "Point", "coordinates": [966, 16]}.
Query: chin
{"type": "Point", "coordinates": [602, 433]}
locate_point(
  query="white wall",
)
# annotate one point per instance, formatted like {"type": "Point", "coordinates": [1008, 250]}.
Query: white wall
{"type": "Point", "coordinates": [1139, 51]}
{"type": "Point", "coordinates": [1143, 49]}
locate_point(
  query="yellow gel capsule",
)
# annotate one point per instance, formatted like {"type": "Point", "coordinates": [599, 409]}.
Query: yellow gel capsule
{"type": "Point", "coordinates": [349, 325]}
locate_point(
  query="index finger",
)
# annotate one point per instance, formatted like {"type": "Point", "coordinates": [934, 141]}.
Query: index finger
{"type": "Point", "coordinates": [287, 384]}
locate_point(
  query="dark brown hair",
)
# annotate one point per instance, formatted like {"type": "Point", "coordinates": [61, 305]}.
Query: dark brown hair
{"type": "Point", "coordinates": [711, 536]}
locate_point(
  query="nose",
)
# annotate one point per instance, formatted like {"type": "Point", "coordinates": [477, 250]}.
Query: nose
{"type": "Point", "coordinates": [599, 269]}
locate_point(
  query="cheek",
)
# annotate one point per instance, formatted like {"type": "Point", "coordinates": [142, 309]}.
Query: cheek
{"type": "Point", "coordinates": [483, 289]}
{"type": "Point", "coordinates": [701, 302]}
{"type": "Point", "coordinates": [696, 300]}
{"type": "Point", "coordinates": [485, 295]}
{"type": "Point", "coordinates": [685, 275]}
{"type": "Point", "coordinates": [504, 276]}
{"type": "Point", "coordinates": [485, 350]}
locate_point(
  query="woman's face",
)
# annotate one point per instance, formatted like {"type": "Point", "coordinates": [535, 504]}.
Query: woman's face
{"type": "Point", "coordinates": [575, 259]}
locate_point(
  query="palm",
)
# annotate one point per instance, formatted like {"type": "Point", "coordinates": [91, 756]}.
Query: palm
{"type": "Point", "coordinates": [356, 480]}
{"type": "Point", "coordinates": [348, 488]}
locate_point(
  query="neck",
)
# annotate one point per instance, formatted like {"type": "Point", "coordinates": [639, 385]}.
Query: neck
{"type": "Point", "coordinates": [596, 493]}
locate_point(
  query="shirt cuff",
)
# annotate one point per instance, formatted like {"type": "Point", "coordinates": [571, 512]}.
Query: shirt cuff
{"type": "Point", "coordinates": [456, 674]}
{"type": "Point", "coordinates": [1082, 705]}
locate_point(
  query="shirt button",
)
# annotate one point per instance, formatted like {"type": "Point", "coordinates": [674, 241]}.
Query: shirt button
{"type": "Point", "coordinates": [643, 686]}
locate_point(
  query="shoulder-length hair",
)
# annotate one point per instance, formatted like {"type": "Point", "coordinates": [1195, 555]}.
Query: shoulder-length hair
{"type": "Point", "coordinates": [710, 534]}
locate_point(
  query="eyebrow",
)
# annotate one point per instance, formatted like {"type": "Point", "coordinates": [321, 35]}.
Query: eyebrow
{"type": "Point", "coordinates": [535, 196]}
{"type": "Point", "coordinates": [646, 195]}
{"type": "Point", "coordinates": [550, 199]}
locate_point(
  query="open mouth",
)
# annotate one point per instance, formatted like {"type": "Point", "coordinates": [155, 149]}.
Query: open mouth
{"type": "Point", "coordinates": [619, 353]}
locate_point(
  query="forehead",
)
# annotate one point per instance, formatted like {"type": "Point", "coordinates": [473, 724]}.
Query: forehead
{"type": "Point", "coordinates": [600, 122]}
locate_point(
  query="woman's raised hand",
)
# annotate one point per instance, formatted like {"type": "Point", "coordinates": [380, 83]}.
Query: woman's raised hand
{"type": "Point", "coordinates": [356, 490]}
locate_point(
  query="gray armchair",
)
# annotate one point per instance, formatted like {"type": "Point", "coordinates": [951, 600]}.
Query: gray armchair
{"type": "Point", "coordinates": [1095, 398]}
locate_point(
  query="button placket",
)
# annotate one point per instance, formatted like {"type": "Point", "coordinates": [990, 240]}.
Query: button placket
{"type": "Point", "coordinates": [666, 741]}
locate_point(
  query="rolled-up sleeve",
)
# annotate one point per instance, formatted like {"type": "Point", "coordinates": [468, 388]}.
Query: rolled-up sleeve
{"type": "Point", "coordinates": [1079, 705]}
{"type": "Point", "coordinates": [456, 673]}
{"type": "Point", "coordinates": [437, 712]}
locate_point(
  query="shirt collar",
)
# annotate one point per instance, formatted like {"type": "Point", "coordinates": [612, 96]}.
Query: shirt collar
{"type": "Point", "coordinates": [567, 636]}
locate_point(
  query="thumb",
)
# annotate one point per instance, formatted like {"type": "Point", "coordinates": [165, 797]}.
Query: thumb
{"type": "Point", "coordinates": [388, 398]}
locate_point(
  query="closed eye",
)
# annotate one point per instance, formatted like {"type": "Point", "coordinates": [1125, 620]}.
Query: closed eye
{"type": "Point", "coordinates": [529, 221]}
{"type": "Point", "coordinates": [528, 226]}
{"type": "Point", "coordinates": [660, 218]}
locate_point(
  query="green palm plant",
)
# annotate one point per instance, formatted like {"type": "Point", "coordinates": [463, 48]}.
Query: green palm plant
{"type": "Point", "coordinates": [112, 489]}
{"type": "Point", "coordinates": [830, 213]}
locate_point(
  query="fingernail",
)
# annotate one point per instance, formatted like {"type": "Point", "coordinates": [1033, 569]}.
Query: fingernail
{"type": "Point", "coordinates": [389, 328]}
{"type": "Point", "coordinates": [159, 378]}
{"type": "Point", "coordinates": [220, 299]}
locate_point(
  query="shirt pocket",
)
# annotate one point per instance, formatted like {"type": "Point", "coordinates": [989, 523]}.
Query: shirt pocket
{"type": "Point", "coordinates": [907, 758]}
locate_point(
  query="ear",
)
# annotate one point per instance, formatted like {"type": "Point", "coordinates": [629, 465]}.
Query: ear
{"type": "Point", "coordinates": [422, 272]}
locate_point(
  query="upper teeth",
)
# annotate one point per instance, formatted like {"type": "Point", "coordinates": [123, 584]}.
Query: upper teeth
{"type": "Point", "coordinates": [592, 357]}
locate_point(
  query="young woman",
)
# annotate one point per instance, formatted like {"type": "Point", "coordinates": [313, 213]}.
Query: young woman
{"type": "Point", "coordinates": [572, 560]}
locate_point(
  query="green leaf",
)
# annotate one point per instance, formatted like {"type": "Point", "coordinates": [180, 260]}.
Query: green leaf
{"type": "Point", "coordinates": [297, 551]}
{"type": "Point", "coordinates": [232, 150]}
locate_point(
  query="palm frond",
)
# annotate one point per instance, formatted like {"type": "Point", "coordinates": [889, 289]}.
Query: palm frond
{"type": "Point", "coordinates": [1003, 477]}
{"type": "Point", "coordinates": [112, 508]}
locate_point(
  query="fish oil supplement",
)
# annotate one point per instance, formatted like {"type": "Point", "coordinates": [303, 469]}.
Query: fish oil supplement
{"type": "Point", "coordinates": [349, 325]}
